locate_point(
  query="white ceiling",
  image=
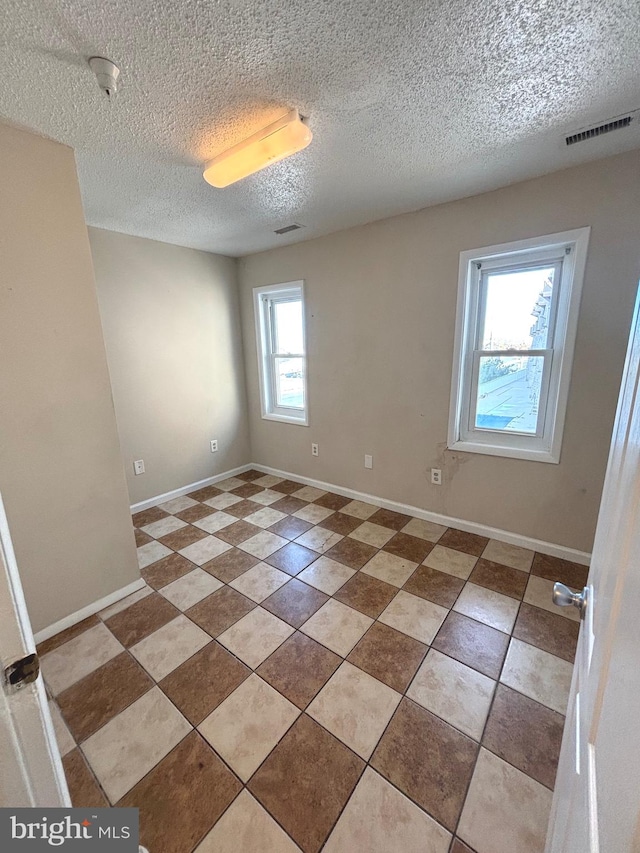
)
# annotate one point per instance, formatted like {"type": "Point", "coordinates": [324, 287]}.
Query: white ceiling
{"type": "Point", "coordinates": [411, 102]}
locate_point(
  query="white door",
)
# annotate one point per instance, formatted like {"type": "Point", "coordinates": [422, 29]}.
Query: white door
{"type": "Point", "coordinates": [596, 807]}
{"type": "Point", "coordinates": [31, 769]}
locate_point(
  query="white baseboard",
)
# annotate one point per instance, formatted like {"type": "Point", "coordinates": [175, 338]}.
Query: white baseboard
{"type": "Point", "coordinates": [73, 618]}
{"type": "Point", "coordinates": [549, 548]}
{"type": "Point", "coordinates": [184, 490]}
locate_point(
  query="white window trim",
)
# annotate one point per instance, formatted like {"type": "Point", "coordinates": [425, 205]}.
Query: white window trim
{"type": "Point", "coordinates": [270, 411]}
{"type": "Point", "coordinates": [541, 448]}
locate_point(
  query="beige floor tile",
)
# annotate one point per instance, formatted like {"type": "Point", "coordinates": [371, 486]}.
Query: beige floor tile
{"type": "Point", "coordinates": [265, 517]}
{"type": "Point", "coordinates": [455, 692]}
{"type": "Point", "coordinates": [260, 581]}
{"type": "Point", "coordinates": [164, 526]}
{"type": "Point", "coordinates": [326, 574]}
{"type": "Point", "coordinates": [313, 513]}
{"type": "Point", "coordinates": [508, 555]}
{"type": "Point", "coordinates": [190, 589]}
{"type": "Point", "coordinates": [358, 509]}
{"type": "Point", "coordinates": [505, 810]}
{"type": "Point", "coordinates": [216, 521]}
{"type": "Point", "coordinates": [246, 826]}
{"type": "Point", "coordinates": [389, 568]}
{"type": "Point", "coordinates": [254, 637]}
{"type": "Point", "coordinates": [538, 674]}
{"type": "Point", "coordinates": [355, 707]}
{"type": "Point", "coordinates": [151, 553]}
{"type": "Point", "coordinates": [380, 819]}
{"type": "Point", "coordinates": [223, 501]}
{"type": "Point", "coordinates": [267, 497]}
{"type": "Point", "coordinates": [125, 602]}
{"type": "Point", "coordinates": [247, 725]}
{"type": "Point", "coordinates": [203, 550]}
{"type": "Point", "coordinates": [263, 544]}
{"type": "Point", "coordinates": [424, 529]}
{"type": "Point", "coordinates": [337, 626]}
{"type": "Point", "coordinates": [309, 493]}
{"type": "Point", "coordinates": [539, 592]}
{"type": "Point", "coordinates": [132, 743]}
{"type": "Point", "coordinates": [178, 504]}
{"type": "Point", "coordinates": [372, 534]}
{"type": "Point", "coordinates": [78, 657]}
{"type": "Point", "coordinates": [416, 617]}
{"type": "Point", "coordinates": [229, 484]}
{"type": "Point", "coordinates": [268, 481]}
{"type": "Point", "coordinates": [452, 562]}
{"type": "Point", "coordinates": [318, 539]}
{"type": "Point", "coordinates": [63, 736]}
{"type": "Point", "coordinates": [168, 647]}
{"type": "Point", "coordinates": [484, 605]}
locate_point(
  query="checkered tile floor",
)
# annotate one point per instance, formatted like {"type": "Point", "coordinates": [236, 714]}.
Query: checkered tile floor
{"type": "Point", "coordinates": [306, 672]}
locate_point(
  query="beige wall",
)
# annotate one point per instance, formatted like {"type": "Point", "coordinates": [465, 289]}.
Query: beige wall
{"type": "Point", "coordinates": [61, 473]}
{"type": "Point", "coordinates": [381, 303]}
{"type": "Point", "coordinates": [172, 331]}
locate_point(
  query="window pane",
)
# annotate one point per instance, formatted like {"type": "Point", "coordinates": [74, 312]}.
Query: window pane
{"type": "Point", "coordinates": [518, 309]}
{"type": "Point", "coordinates": [289, 382]}
{"type": "Point", "coordinates": [288, 326]}
{"type": "Point", "coordinates": [509, 393]}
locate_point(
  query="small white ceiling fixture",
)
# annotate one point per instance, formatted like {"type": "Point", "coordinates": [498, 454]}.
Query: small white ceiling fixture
{"type": "Point", "coordinates": [107, 73]}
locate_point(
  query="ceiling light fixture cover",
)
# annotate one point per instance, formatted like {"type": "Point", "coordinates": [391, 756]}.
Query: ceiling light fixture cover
{"type": "Point", "coordinates": [278, 140]}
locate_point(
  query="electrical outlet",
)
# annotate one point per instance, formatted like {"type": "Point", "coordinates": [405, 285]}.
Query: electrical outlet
{"type": "Point", "coordinates": [436, 476]}
{"type": "Point", "coordinates": [214, 445]}
{"type": "Point", "coordinates": [138, 467]}
{"type": "Point", "coordinates": [314, 450]}
{"type": "Point", "coordinates": [368, 461]}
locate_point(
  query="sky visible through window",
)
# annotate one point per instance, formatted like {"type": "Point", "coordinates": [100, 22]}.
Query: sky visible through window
{"type": "Point", "coordinates": [289, 339]}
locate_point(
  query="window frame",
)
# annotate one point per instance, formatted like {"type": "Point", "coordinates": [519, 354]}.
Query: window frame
{"type": "Point", "coordinates": [264, 298]}
{"type": "Point", "coordinates": [569, 250]}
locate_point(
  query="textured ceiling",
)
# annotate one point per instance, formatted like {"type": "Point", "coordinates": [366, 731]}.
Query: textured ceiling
{"type": "Point", "coordinates": [411, 102]}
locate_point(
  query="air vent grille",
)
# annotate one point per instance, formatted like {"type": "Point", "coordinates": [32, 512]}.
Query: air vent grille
{"type": "Point", "coordinates": [288, 228]}
{"type": "Point", "coordinates": [599, 130]}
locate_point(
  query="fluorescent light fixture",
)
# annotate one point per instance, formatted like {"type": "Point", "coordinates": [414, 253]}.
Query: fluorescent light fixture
{"type": "Point", "coordinates": [278, 140]}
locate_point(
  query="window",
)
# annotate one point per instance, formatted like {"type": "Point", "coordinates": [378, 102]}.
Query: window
{"type": "Point", "coordinates": [516, 325]}
{"type": "Point", "coordinates": [279, 311]}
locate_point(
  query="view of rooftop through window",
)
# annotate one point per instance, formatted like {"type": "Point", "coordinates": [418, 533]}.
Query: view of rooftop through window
{"type": "Point", "coordinates": [289, 341]}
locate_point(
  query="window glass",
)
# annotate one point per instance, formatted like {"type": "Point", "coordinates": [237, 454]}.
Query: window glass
{"type": "Point", "coordinates": [290, 382]}
{"type": "Point", "coordinates": [288, 326]}
{"type": "Point", "coordinates": [508, 395]}
{"type": "Point", "coordinates": [517, 309]}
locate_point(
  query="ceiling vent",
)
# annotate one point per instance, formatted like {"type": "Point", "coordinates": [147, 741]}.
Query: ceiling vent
{"type": "Point", "coordinates": [288, 228]}
{"type": "Point", "coordinates": [600, 129]}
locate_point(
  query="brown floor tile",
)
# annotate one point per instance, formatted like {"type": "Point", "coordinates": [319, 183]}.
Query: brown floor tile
{"type": "Point", "coordinates": [460, 847]}
{"type": "Point", "coordinates": [389, 518]}
{"type": "Point", "coordinates": [205, 494]}
{"type": "Point", "coordinates": [428, 760]}
{"type": "Point", "coordinates": [473, 643]}
{"type": "Point", "coordinates": [250, 475]}
{"type": "Point", "coordinates": [306, 781]}
{"type": "Point", "coordinates": [366, 594]}
{"type": "Point", "coordinates": [290, 528]}
{"type": "Point", "coordinates": [331, 501]}
{"type": "Point", "coordinates": [408, 547]}
{"type": "Point", "coordinates": [230, 565]}
{"type": "Point", "coordinates": [166, 570]}
{"type": "Point", "coordinates": [182, 797]}
{"type": "Point", "coordinates": [95, 699]}
{"type": "Point", "coordinates": [470, 543]}
{"type": "Point", "coordinates": [351, 553]}
{"type": "Point", "coordinates": [183, 537]}
{"type": "Point", "coordinates": [286, 487]}
{"type": "Point", "coordinates": [525, 733]}
{"type": "Point", "coordinates": [289, 504]}
{"type": "Point", "coordinates": [220, 610]}
{"type": "Point", "coordinates": [434, 585]}
{"type": "Point", "coordinates": [141, 619]}
{"type": "Point", "coordinates": [547, 631]}
{"type": "Point", "coordinates": [238, 532]}
{"type": "Point", "coordinates": [68, 634]}
{"type": "Point", "coordinates": [148, 516]}
{"type": "Point", "coordinates": [243, 508]}
{"type": "Point", "coordinates": [295, 602]}
{"type": "Point", "coordinates": [142, 538]}
{"type": "Point", "coordinates": [292, 559]}
{"type": "Point", "coordinates": [247, 491]}
{"type": "Point", "coordinates": [195, 513]}
{"type": "Point", "coordinates": [388, 655]}
{"type": "Point", "coordinates": [299, 668]}
{"type": "Point", "coordinates": [83, 788]}
{"type": "Point", "coordinates": [204, 681]}
{"type": "Point", "coordinates": [341, 523]}
{"type": "Point", "coordinates": [499, 578]}
{"type": "Point", "coordinates": [555, 569]}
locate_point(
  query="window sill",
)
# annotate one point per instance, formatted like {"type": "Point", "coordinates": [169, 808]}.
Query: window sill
{"type": "Point", "coordinates": [286, 419]}
{"type": "Point", "coordinates": [507, 452]}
